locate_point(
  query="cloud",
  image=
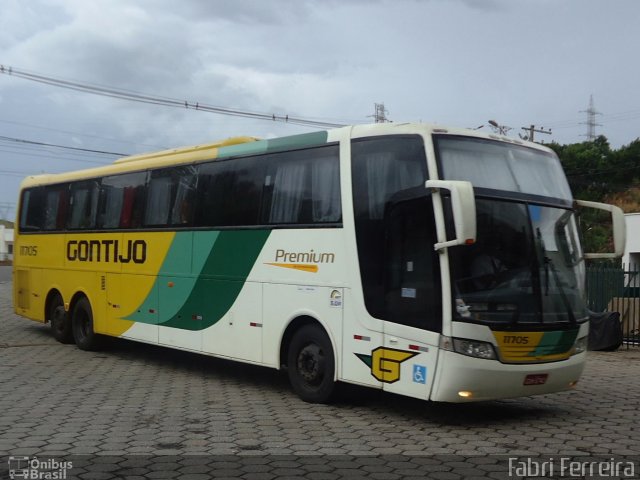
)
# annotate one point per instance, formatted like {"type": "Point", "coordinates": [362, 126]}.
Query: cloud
{"type": "Point", "coordinates": [239, 12]}
{"type": "Point", "coordinates": [485, 5]}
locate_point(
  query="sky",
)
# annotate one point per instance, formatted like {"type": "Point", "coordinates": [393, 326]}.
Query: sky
{"type": "Point", "coordinates": [452, 62]}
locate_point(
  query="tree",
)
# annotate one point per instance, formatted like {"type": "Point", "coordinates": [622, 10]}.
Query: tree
{"type": "Point", "coordinates": [588, 166]}
{"type": "Point", "coordinates": [598, 173]}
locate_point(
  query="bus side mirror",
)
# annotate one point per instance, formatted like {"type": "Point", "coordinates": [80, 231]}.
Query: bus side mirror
{"type": "Point", "coordinates": [463, 209]}
{"type": "Point", "coordinates": [619, 228]}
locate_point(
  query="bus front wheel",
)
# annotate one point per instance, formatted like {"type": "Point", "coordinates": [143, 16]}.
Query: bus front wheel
{"type": "Point", "coordinates": [82, 326]}
{"type": "Point", "coordinates": [59, 320]}
{"type": "Point", "coordinates": [311, 365]}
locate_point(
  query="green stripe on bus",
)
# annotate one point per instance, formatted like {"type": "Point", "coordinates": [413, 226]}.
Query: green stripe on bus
{"type": "Point", "coordinates": [222, 262]}
{"type": "Point", "coordinates": [250, 148]}
{"type": "Point", "coordinates": [553, 343]}
{"type": "Point", "coordinates": [297, 141]}
{"type": "Point", "coordinates": [221, 280]}
{"type": "Point", "coordinates": [292, 142]}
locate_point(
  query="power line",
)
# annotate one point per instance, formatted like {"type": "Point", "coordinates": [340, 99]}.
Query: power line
{"type": "Point", "coordinates": [66, 159]}
{"type": "Point", "coordinates": [113, 92]}
{"type": "Point", "coordinates": [117, 140]}
{"type": "Point", "coordinates": [13, 173]}
{"type": "Point", "coordinates": [609, 117]}
{"type": "Point", "coordinates": [32, 142]}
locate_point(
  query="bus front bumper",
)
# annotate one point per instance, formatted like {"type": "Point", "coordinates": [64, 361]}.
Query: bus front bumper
{"type": "Point", "coordinates": [466, 379]}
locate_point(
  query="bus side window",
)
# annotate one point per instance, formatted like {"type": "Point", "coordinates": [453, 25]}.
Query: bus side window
{"type": "Point", "coordinates": [413, 295]}
{"type": "Point", "coordinates": [57, 199]}
{"type": "Point", "coordinates": [305, 187]}
{"type": "Point", "coordinates": [158, 199]}
{"type": "Point", "coordinates": [63, 208]}
{"type": "Point", "coordinates": [32, 210]}
{"type": "Point", "coordinates": [121, 201]}
{"type": "Point", "coordinates": [395, 231]}
{"type": "Point", "coordinates": [230, 192]}
{"type": "Point", "coordinates": [185, 179]}
{"type": "Point", "coordinates": [128, 197]}
{"type": "Point", "coordinates": [84, 205]}
{"type": "Point", "coordinates": [170, 196]}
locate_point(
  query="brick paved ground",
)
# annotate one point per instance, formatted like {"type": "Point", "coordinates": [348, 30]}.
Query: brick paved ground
{"type": "Point", "coordinates": [139, 411]}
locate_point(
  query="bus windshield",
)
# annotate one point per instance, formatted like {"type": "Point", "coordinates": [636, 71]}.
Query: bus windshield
{"type": "Point", "coordinates": [502, 166]}
{"type": "Point", "coordinates": [526, 265]}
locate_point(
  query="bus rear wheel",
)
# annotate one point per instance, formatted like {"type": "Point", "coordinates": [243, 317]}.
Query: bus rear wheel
{"type": "Point", "coordinates": [82, 326]}
{"type": "Point", "coordinates": [59, 320]}
{"type": "Point", "coordinates": [311, 365]}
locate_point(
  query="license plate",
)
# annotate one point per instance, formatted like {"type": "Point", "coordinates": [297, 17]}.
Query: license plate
{"type": "Point", "coordinates": [536, 379]}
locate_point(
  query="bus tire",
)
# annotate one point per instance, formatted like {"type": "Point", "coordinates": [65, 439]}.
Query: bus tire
{"type": "Point", "coordinates": [59, 320]}
{"type": "Point", "coordinates": [311, 364]}
{"type": "Point", "coordinates": [82, 326]}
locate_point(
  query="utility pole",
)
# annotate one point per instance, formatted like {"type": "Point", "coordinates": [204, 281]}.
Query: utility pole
{"type": "Point", "coordinates": [532, 130]}
{"type": "Point", "coordinates": [591, 120]}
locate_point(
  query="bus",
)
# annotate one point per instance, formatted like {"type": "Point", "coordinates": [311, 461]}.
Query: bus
{"type": "Point", "coordinates": [438, 263]}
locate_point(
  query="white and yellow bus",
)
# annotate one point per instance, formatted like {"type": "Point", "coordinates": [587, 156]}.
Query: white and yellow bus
{"type": "Point", "coordinates": [442, 264]}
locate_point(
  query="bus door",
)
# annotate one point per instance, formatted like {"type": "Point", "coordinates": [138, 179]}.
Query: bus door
{"type": "Point", "coordinates": [399, 267]}
{"type": "Point", "coordinates": [413, 298]}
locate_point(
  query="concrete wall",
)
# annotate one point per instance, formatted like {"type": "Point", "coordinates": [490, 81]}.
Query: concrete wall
{"type": "Point", "coordinates": [632, 249]}
{"type": "Point", "coordinates": [631, 257]}
{"type": "Point", "coordinates": [6, 243]}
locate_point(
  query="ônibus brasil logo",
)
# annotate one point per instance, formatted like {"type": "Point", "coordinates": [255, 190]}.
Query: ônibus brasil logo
{"type": "Point", "coordinates": [28, 468]}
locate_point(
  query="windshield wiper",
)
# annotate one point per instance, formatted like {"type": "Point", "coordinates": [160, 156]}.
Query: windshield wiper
{"type": "Point", "coordinates": [548, 262]}
{"type": "Point", "coordinates": [563, 293]}
{"type": "Point", "coordinates": [545, 261]}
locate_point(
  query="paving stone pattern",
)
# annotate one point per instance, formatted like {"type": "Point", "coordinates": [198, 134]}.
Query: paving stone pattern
{"type": "Point", "coordinates": [140, 411]}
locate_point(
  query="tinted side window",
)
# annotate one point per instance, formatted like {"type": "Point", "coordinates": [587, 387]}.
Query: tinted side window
{"type": "Point", "coordinates": [122, 201]}
{"type": "Point", "coordinates": [412, 291]}
{"type": "Point", "coordinates": [32, 210]}
{"type": "Point", "coordinates": [230, 192]}
{"type": "Point", "coordinates": [383, 167]}
{"type": "Point", "coordinates": [304, 186]}
{"type": "Point", "coordinates": [56, 203]}
{"type": "Point", "coordinates": [395, 231]}
{"type": "Point", "coordinates": [83, 205]}
{"type": "Point", "coordinates": [170, 198]}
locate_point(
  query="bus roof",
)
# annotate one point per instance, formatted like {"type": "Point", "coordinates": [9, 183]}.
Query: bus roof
{"type": "Point", "coordinates": [173, 156]}
{"type": "Point", "coordinates": [245, 145]}
{"type": "Point", "coordinates": [192, 151]}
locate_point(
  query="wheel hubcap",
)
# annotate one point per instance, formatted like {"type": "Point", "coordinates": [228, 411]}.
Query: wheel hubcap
{"type": "Point", "coordinates": [311, 364]}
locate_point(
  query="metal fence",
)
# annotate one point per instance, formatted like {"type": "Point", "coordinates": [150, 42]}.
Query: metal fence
{"type": "Point", "coordinates": [617, 289]}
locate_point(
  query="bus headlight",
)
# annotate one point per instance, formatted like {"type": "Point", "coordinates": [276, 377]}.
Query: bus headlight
{"type": "Point", "coordinates": [471, 348]}
{"type": "Point", "coordinates": [580, 345]}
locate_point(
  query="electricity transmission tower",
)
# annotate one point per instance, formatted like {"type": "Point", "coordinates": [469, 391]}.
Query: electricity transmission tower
{"type": "Point", "coordinates": [380, 115]}
{"type": "Point", "coordinates": [591, 120]}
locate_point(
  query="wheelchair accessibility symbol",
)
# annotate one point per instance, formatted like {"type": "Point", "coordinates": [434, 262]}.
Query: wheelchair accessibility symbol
{"type": "Point", "coordinates": [419, 374]}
